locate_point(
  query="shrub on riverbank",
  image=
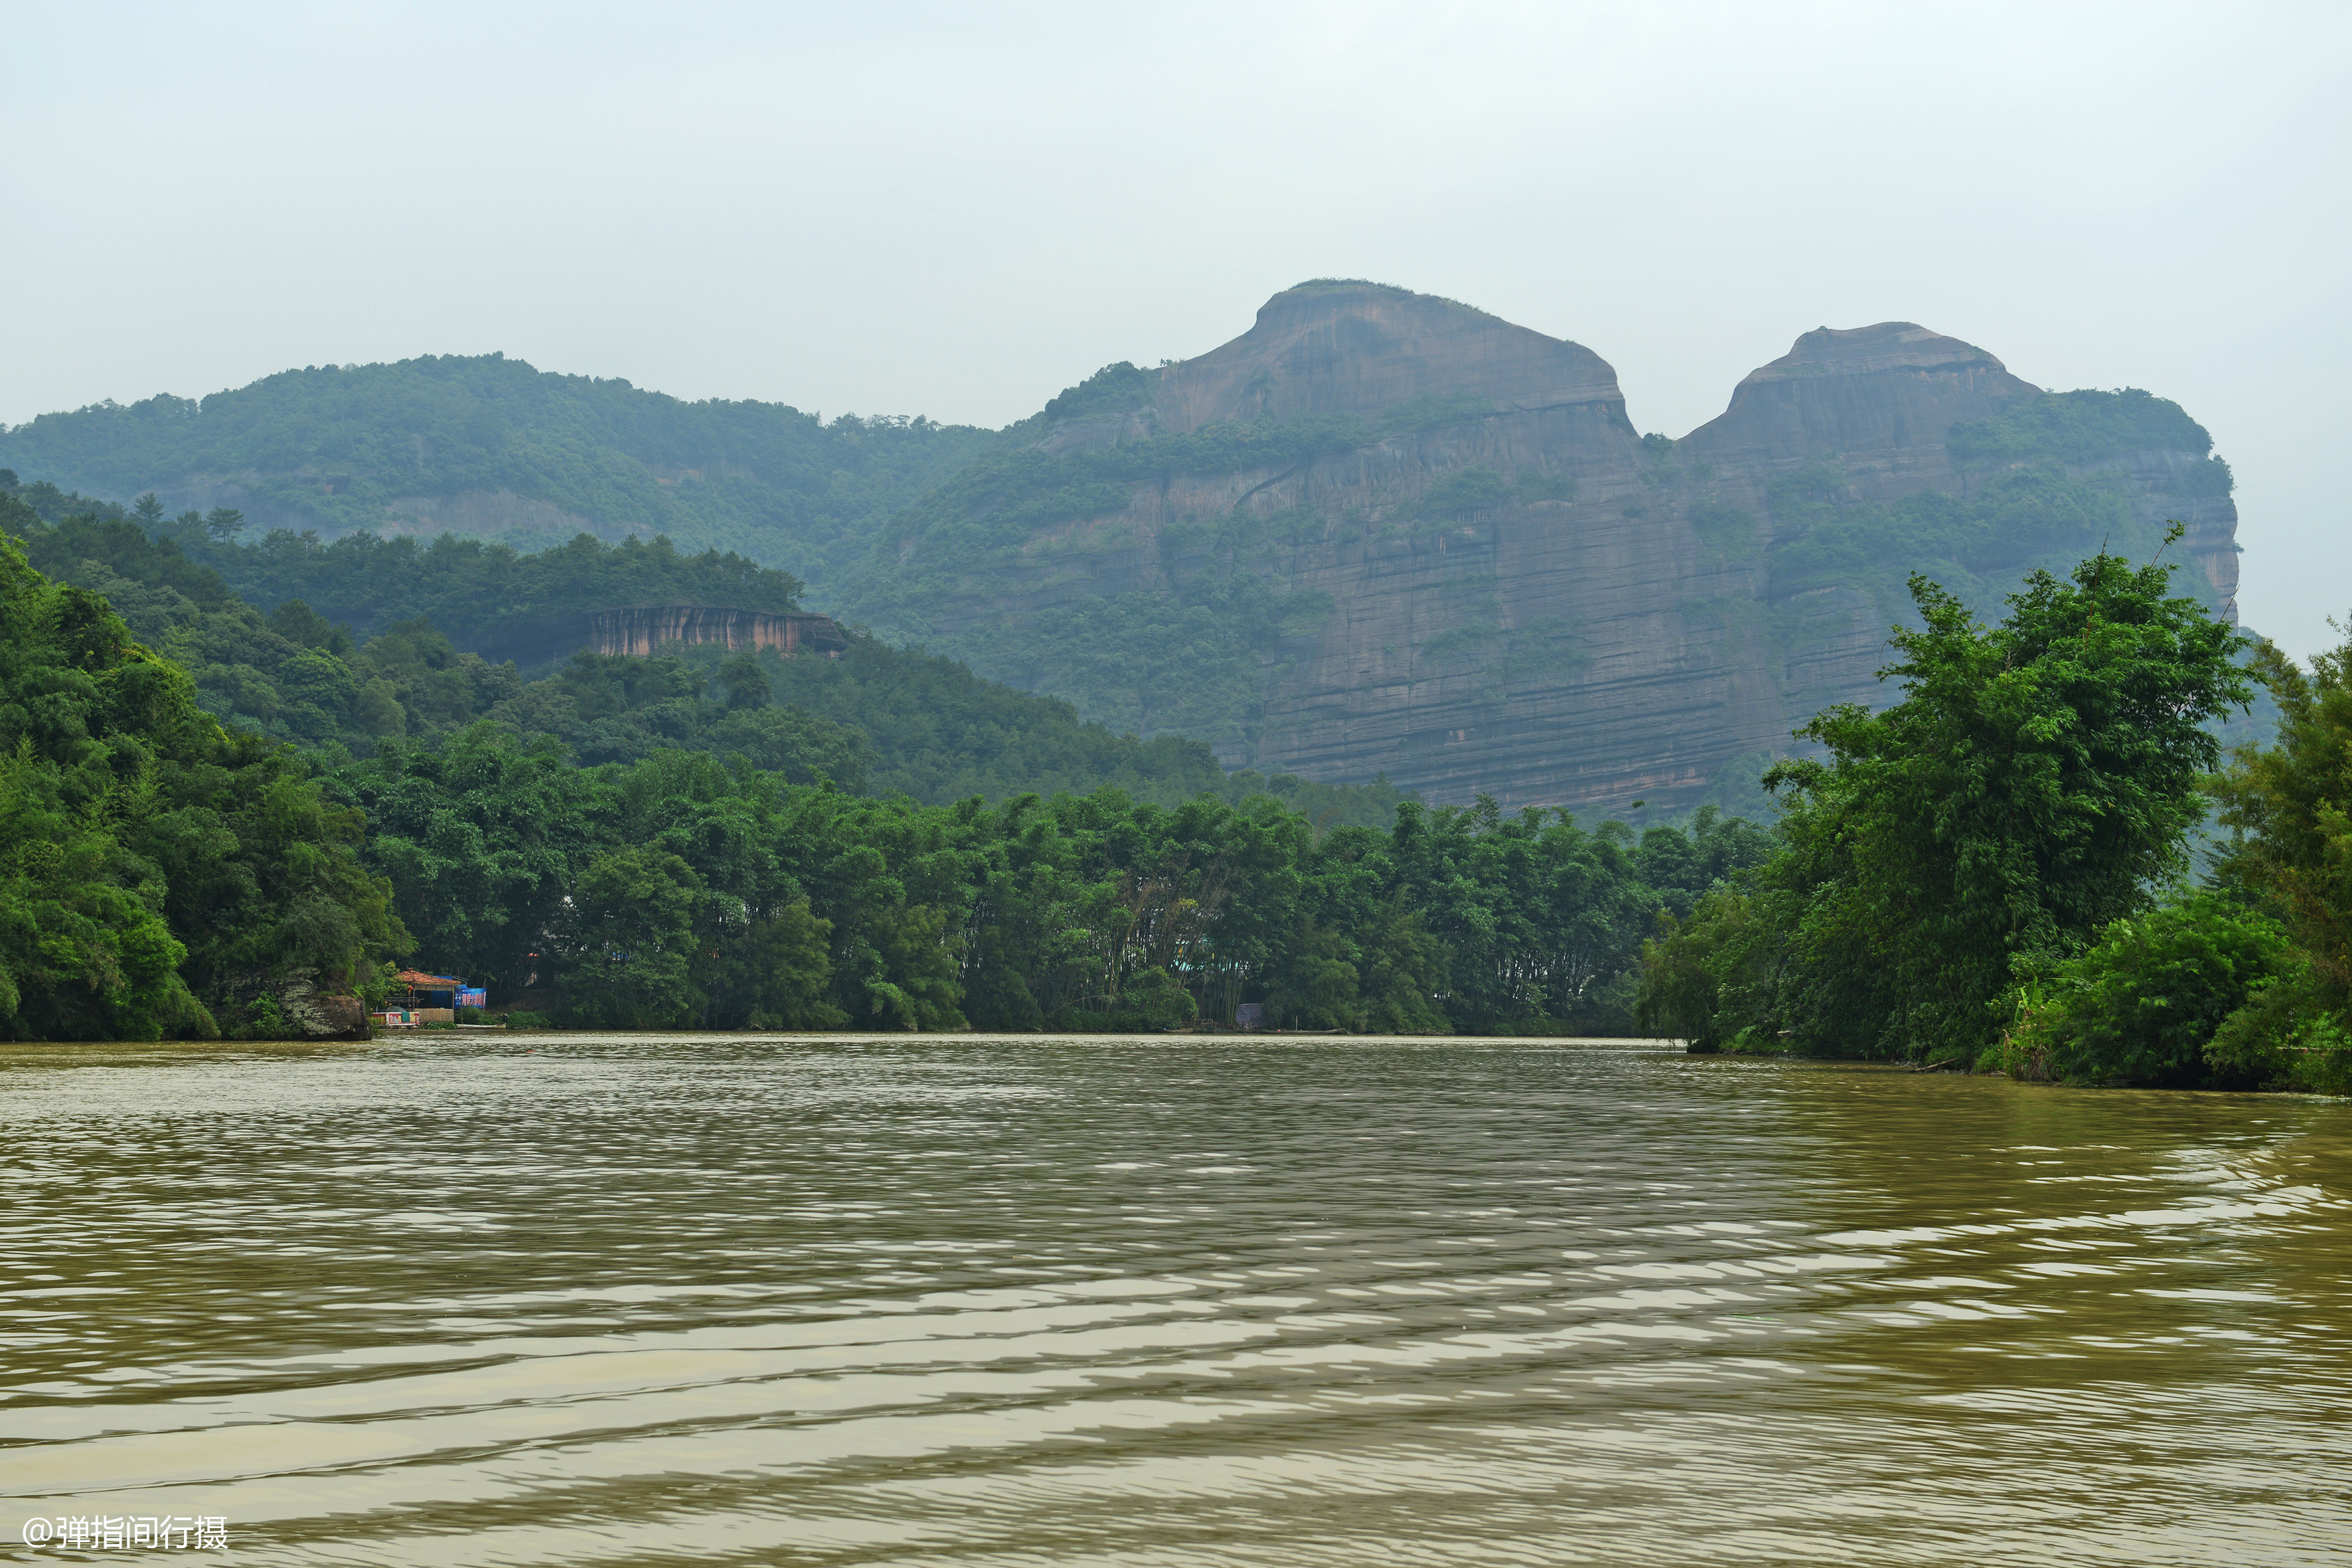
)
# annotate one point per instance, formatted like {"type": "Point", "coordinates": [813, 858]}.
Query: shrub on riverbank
{"type": "Point", "coordinates": [2142, 1004]}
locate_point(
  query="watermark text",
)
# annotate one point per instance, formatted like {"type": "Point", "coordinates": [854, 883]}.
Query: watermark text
{"type": "Point", "coordinates": [128, 1532]}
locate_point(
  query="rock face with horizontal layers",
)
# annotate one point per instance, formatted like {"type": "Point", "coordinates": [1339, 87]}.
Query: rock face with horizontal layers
{"type": "Point", "coordinates": [1526, 597]}
{"type": "Point", "coordinates": [644, 629]}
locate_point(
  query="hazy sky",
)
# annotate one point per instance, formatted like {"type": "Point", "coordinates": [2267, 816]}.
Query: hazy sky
{"type": "Point", "coordinates": [959, 210]}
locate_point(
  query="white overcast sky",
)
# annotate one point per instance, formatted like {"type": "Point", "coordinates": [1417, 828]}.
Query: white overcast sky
{"type": "Point", "coordinates": [959, 210]}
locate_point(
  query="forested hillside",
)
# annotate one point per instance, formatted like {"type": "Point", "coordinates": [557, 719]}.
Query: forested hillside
{"type": "Point", "coordinates": [877, 719]}
{"type": "Point", "coordinates": [366, 580]}
{"type": "Point", "coordinates": [490, 447]}
{"type": "Point", "coordinates": [161, 873]}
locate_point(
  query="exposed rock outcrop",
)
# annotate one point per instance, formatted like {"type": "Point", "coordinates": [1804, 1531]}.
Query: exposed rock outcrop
{"type": "Point", "coordinates": [293, 1007]}
{"type": "Point", "coordinates": [1529, 598]}
{"type": "Point", "coordinates": [1884, 395]}
{"type": "Point", "coordinates": [642, 629]}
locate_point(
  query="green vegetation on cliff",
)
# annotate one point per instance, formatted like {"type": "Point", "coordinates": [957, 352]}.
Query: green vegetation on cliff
{"type": "Point", "coordinates": [2088, 427]}
{"type": "Point", "coordinates": [2041, 494]}
{"type": "Point", "coordinates": [1188, 658]}
{"type": "Point", "coordinates": [1026, 565]}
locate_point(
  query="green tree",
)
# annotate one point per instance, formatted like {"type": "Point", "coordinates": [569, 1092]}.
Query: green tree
{"type": "Point", "coordinates": [478, 838]}
{"type": "Point", "coordinates": [82, 955]}
{"type": "Point", "coordinates": [782, 980]}
{"type": "Point", "coordinates": [629, 941]}
{"type": "Point", "coordinates": [1317, 989]}
{"type": "Point", "coordinates": [2290, 808]}
{"type": "Point", "coordinates": [158, 875]}
{"type": "Point", "coordinates": [1156, 1000]}
{"type": "Point", "coordinates": [1708, 975]}
{"type": "Point", "coordinates": [2035, 783]}
{"type": "Point", "coordinates": [1402, 970]}
{"type": "Point", "coordinates": [916, 985]}
{"type": "Point", "coordinates": [745, 681]}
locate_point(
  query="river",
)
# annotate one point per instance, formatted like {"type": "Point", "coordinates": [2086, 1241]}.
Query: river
{"type": "Point", "coordinates": [582, 1299]}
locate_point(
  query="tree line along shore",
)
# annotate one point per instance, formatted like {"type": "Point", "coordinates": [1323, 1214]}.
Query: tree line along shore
{"type": "Point", "coordinates": [1993, 873]}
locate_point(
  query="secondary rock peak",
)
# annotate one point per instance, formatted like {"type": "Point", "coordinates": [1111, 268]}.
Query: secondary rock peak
{"type": "Point", "coordinates": [1861, 350]}
{"type": "Point", "coordinates": [1885, 387]}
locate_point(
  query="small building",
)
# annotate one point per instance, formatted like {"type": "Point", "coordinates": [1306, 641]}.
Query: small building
{"type": "Point", "coordinates": [424, 998]}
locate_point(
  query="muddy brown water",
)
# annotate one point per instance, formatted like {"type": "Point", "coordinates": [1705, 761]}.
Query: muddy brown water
{"type": "Point", "coordinates": [728, 1299]}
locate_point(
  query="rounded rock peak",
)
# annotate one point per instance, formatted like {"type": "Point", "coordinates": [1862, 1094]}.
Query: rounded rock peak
{"type": "Point", "coordinates": [1845, 389]}
{"type": "Point", "coordinates": [1341, 296]}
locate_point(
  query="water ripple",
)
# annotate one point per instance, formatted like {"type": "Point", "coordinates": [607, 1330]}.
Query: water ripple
{"type": "Point", "coordinates": [997, 1302]}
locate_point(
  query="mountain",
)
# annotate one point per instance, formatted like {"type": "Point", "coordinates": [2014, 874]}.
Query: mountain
{"type": "Point", "coordinates": [1386, 532]}
{"type": "Point", "coordinates": [1379, 531]}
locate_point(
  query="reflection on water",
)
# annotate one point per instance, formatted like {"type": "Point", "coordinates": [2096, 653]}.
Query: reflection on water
{"type": "Point", "coordinates": [1172, 1301]}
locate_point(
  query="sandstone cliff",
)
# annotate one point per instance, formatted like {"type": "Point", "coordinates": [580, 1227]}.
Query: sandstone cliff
{"type": "Point", "coordinates": [644, 629]}
{"type": "Point", "coordinates": [1431, 544]}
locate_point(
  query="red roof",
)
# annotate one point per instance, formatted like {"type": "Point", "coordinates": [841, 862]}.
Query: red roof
{"type": "Point", "coordinates": [432, 982]}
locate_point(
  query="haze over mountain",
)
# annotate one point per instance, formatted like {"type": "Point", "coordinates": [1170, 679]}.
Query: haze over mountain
{"type": "Point", "coordinates": [1379, 531]}
{"type": "Point", "coordinates": [956, 212]}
